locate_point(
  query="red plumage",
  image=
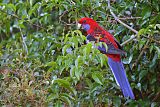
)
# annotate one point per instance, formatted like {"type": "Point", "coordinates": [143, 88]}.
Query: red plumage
{"type": "Point", "coordinates": [104, 36]}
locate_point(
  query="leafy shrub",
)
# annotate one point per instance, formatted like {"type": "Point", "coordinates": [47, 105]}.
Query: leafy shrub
{"type": "Point", "coordinates": [45, 61]}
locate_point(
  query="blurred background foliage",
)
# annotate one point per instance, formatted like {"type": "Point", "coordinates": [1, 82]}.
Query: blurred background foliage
{"type": "Point", "coordinates": [45, 61]}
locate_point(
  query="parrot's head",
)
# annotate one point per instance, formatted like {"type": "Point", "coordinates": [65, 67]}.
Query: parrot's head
{"type": "Point", "coordinates": [87, 23]}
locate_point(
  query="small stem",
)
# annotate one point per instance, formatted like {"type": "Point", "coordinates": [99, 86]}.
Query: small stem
{"type": "Point", "coordinates": [140, 55]}
{"type": "Point", "coordinates": [129, 18]}
{"type": "Point", "coordinates": [130, 39]}
{"type": "Point", "coordinates": [116, 18]}
{"type": "Point", "coordinates": [151, 39]}
{"type": "Point", "coordinates": [135, 31]}
{"type": "Point", "coordinates": [24, 43]}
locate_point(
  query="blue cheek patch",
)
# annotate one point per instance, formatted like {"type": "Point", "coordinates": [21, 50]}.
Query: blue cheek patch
{"type": "Point", "coordinates": [86, 27]}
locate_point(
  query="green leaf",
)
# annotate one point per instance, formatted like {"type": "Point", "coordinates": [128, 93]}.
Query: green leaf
{"type": "Point", "coordinates": [77, 73]}
{"type": "Point", "coordinates": [102, 60]}
{"type": "Point", "coordinates": [141, 31]}
{"type": "Point", "coordinates": [65, 48]}
{"type": "Point", "coordinates": [8, 27]}
{"type": "Point", "coordinates": [31, 2]}
{"type": "Point", "coordinates": [65, 84]}
{"type": "Point", "coordinates": [128, 60]}
{"type": "Point", "coordinates": [117, 102]}
{"type": "Point", "coordinates": [91, 103]}
{"type": "Point", "coordinates": [97, 78]}
{"type": "Point", "coordinates": [158, 51]}
{"type": "Point", "coordinates": [66, 100]}
{"type": "Point", "coordinates": [72, 71]}
{"type": "Point", "coordinates": [142, 74]}
{"type": "Point", "coordinates": [78, 32]}
{"type": "Point", "coordinates": [157, 25]}
{"type": "Point", "coordinates": [52, 97]}
{"type": "Point", "coordinates": [52, 63]}
{"type": "Point", "coordinates": [58, 104]}
{"type": "Point", "coordinates": [89, 82]}
{"type": "Point", "coordinates": [78, 61]}
{"type": "Point", "coordinates": [87, 49]}
{"type": "Point", "coordinates": [11, 6]}
{"type": "Point", "coordinates": [153, 62]}
{"type": "Point", "coordinates": [146, 12]}
{"type": "Point", "coordinates": [62, 83]}
{"type": "Point", "coordinates": [105, 45]}
{"type": "Point", "coordinates": [67, 95]}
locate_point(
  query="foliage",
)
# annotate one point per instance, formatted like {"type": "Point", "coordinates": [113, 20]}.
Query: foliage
{"type": "Point", "coordinates": [45, 61]}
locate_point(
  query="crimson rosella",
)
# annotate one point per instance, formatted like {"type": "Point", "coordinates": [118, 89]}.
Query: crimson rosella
{"type": "Point", "coordinates": [98, 34]}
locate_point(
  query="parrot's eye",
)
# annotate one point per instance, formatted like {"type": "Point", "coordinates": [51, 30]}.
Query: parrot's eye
{"type": "Point", "coordinates": [84, 21]}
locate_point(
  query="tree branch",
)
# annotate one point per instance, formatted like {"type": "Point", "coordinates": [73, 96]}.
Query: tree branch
{"type": "Point", "coordinates": [130, 39]}
{"type": "Point", "coordinates": [129, 18]}
{"type": "Point", "coordinates": [116, 18]}
{"type": "Point", "coordinates": [135, 31]}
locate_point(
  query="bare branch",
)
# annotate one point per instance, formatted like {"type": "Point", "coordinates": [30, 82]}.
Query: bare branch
{"type": "Point", "coordinates": [130, 39]}
{"type": "Point", "coordinates": [116, 18]}
{"type": "Point", "coordinates": [129, 18]}
{"type": "Point", "coordinates": [68, 24]}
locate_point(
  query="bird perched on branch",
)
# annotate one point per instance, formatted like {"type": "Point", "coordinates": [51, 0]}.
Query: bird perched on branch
{"type": "Point", "coordinates": [98, 34]}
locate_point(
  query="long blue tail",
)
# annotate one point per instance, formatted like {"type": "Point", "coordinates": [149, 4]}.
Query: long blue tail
{"type": "Point", "coordinates": [121, 78]}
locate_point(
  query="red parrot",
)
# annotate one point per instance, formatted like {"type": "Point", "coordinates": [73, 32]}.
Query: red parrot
{"type": "Point", "coordinates": [98, 34]}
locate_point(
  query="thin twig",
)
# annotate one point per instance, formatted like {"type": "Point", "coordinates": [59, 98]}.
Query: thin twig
{"type": "Point", "coordinates": [36, 25]}
{"type": "Point", "coordinates": [140, 55]}
{"type": "Point", "coordinates": [135, 31]}
{"type": "Point", "coordinates": [68, 24]}
{"type": "Point", "coordinates": [129, 18]}
{"type": "Point", "coordinates": [24, 43]}
{"type": "Point", "coordinates": [130, 39]}
{"type": "Point", "coordinates": [14, 15]}
{"type": "Point", "coordinates": [60, 18]}
{"type": "Point", "coordinates": [121, 18]}
{"type": "Point", "coordinates": [156, 97]}
{"type": "Point", "coordinates": [116, 18]}
{"type": "Point", "coordinates": [152, 39]}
